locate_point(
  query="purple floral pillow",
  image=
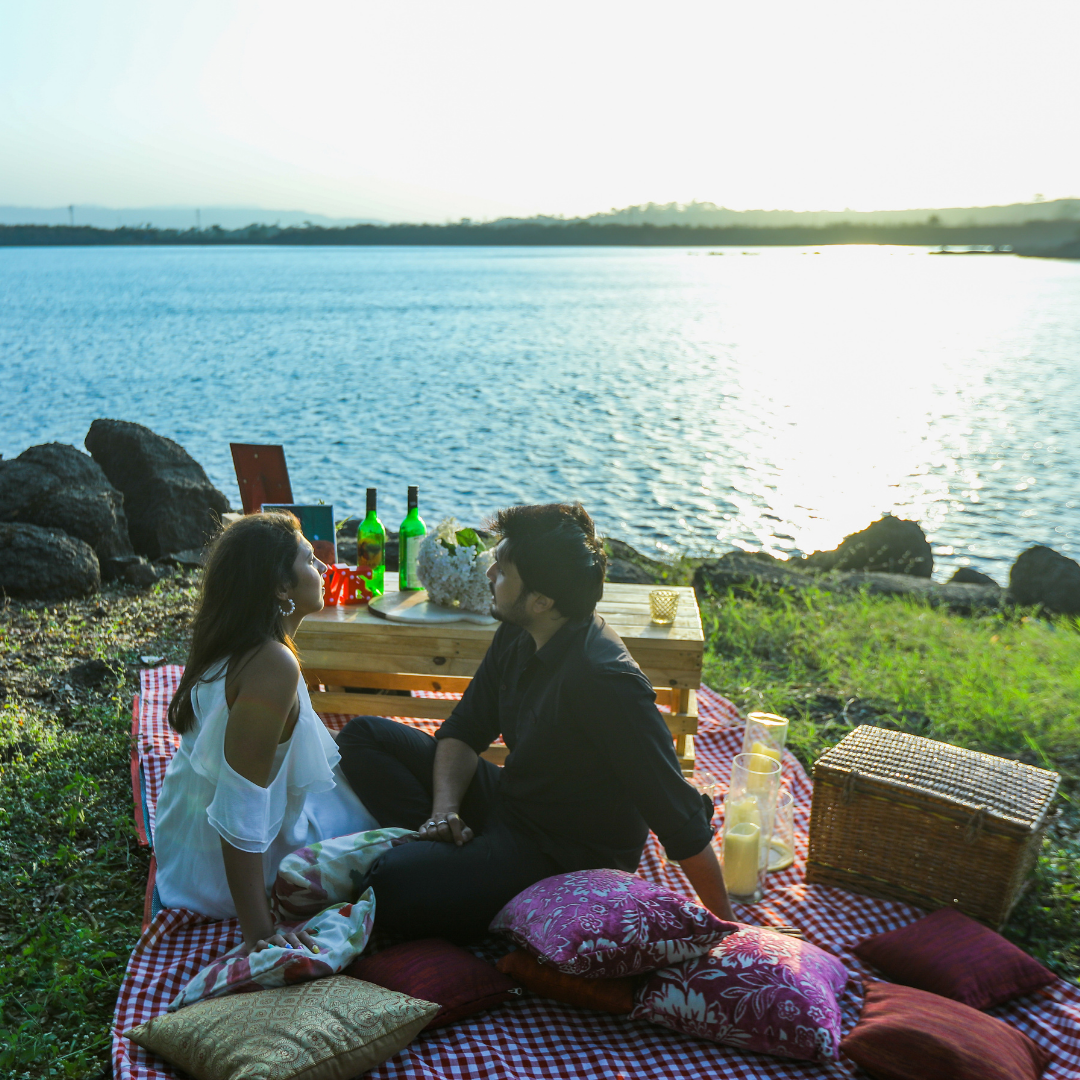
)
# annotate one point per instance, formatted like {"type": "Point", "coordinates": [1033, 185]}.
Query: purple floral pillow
{"type": "Point", "coordinates": [605, 924]}
{"type": "Point", "coordinates": [757, 990]}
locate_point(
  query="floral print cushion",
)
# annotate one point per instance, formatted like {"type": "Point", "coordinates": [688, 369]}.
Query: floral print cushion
{"type": "Point", "coordinates": [757, 990]}
{"type": "Point", "coordinates": [342, 932]}
{"type": "Point", "coordinates": [329, 872]}
{"type": "Point", "coordinates": [605, 924]}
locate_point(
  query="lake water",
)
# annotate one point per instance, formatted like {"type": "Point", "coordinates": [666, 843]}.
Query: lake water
{"type": "Point", "coordinates": [777, 399]}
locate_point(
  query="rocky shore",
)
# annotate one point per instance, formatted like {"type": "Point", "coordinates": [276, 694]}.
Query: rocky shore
{"type": "Point", "coordinates": [138, 505]}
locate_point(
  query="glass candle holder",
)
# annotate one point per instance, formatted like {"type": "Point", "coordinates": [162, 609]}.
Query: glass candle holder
{"type": "Point", "coordinates": [752, 795]}
{"type": "Point", "coordinates": [741, 860]}
{"type": "Point", "coordinates": [708, 785]}
{"type": "Point", "coordinates": [705, 782]}
{"type": "Point", "coordinates": [663, 606]}
{"type": "Point", "coordinates": [765, 734]}
{"type": "Point", "coordinates": [782, 844]}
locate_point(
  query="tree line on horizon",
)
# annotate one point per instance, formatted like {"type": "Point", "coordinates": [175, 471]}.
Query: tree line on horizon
{"type": "Point", "coordinates": [1032, 236]}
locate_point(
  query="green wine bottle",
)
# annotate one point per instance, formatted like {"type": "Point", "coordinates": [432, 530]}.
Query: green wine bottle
{"type": "Point", "coordinates": [371, 546]}
{"type": "Point", "coordinates": [409, 540]}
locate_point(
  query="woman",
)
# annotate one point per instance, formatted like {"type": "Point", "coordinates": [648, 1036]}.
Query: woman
{"type": "Point", "coordinates": [256, 774]}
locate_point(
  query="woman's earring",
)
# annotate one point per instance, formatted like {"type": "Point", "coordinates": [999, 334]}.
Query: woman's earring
{"type": "Point", "coordinates": [290, 609]}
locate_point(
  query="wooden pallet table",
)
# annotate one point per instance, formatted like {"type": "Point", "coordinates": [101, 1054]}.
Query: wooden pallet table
{"type": "Point", "coordinates": [350, 647]}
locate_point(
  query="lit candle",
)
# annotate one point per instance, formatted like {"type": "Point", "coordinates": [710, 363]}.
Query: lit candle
{"type": "Point", "coordinates": [742, 810]}
{"type": "Point", "coordinates": [768, 751]}
{"type": "Point", "coordinates": [741, 853]}
{"type": "Point", "coordinates": [760, 765]}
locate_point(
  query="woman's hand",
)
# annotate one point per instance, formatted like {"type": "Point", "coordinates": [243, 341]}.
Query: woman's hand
{"type": "Point", "coordinates": [448, 827]}
{"type": "Point", "coordinates": [283, 939]}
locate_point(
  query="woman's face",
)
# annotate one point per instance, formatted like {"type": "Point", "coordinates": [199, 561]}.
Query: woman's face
{"type": "Point", "coordinates": [307, 593]}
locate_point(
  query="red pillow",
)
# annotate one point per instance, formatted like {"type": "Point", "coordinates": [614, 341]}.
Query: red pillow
{"type": "Point", "coordinates": [434, 970]}
{"type": "Point", "coordinates": [952, 955]}
{"type": "Point", "coordinates": [908, 1034]}
{"type": "Point", "coordinates": [603, 995]}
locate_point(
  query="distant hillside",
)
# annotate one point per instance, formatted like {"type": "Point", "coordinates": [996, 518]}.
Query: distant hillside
{"type": "Point", "coordinates": [170, 217]}
{"type": "Point", "coordinates": [711, 215]}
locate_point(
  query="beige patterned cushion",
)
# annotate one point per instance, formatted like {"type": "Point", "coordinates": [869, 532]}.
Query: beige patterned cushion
{"type": "Point", "coordinates": [328, 1029]}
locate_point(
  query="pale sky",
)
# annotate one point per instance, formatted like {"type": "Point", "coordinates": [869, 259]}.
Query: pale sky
{"type": "Point", "coordinates": [410, 110]}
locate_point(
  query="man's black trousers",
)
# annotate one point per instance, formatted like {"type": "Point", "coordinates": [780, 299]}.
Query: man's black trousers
{"type": "Point", "coordinates": [431, 888]}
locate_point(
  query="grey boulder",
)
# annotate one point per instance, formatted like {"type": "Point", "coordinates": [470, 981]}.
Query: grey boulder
{"type": "Point", "coordinates": [968, 575]}
{"type": "Point", "coordinates": [1043, 576]}
{"type": "Point", "coordinates": [171, 504]}
{"type": "Point", "coordinates": [56, 486]}
{"type": "Point", "coordinates": [890, 545]}
{"type": "Point", "coordinates": [45, 564]}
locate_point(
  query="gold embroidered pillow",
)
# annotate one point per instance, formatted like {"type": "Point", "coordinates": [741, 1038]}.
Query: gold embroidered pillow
{"type": "Point", "coordinates": [329, 1029]}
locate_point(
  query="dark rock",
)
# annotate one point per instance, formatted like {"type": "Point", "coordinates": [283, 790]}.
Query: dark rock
{"type": "Point", "coordinates": [193, 559]}
{"type": "Point", "coordinates": [93, 674]}
{"type": "Point", "coordinates": [346, 549]}
{"type": "Point", "coordinates": [133, 569]}
{"type": "Point", "coordinates": [627, 564]}
{"type": "Point", "coordinates": [57, 486]}
{"type": "Point", "coordinates": [890, 545]}
{"type": "Point", "coordinates": [171, 504]}
{"type": "Point", "coordinates": [1042, 576]}
{"type": "Point", "coordinates": [745, 572]}
{"type": "Point", "coordinates": [348, 528]}
{"type": "Point", "coordinates": [968, 575]}
{"type": "Point", "coordinates": [959, 597]}
{"type": "Point", "coordinates": [741, 569]}
{"type": "Point", "coordinates": [45, 564]}
{"type": "Point", "coordinates": [624, 571]}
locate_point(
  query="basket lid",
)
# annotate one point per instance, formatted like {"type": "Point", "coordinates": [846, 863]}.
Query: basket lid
{"type": "Point", "coordinates": [1002, 788]}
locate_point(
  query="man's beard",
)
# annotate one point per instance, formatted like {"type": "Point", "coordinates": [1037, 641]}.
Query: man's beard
{"type": "Point", "coordinates": [515, 616]}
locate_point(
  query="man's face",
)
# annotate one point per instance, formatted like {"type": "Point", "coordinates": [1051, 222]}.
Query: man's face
{"type": "Point", "coordinates": [507, 589]}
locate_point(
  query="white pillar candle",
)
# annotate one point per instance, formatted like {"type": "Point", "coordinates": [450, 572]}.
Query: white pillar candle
{"type": "Point", "coordinates": [768, 751]}
{"type": "Point", "coordinates": [742, 810]}
{"type": "Point", "coordinates": [741, 855]}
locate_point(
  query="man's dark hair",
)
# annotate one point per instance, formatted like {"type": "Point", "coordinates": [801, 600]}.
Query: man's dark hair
{"type": "Point", "coordinates": [557, 553]}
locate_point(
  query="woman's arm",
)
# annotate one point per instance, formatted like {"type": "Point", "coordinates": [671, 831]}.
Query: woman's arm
{"type": "Point", "coordinates": [705, 875]}
{"type": "Point", "coordinates": [265, 695]}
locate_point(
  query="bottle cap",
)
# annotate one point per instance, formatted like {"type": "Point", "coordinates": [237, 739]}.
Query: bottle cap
{"type": "Point", "coordinates": [370, 499]}
{"type": "Point", "coordinates": [413, 497]}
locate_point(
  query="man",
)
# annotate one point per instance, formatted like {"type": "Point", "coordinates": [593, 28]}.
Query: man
{"type": "Point", "coordinates": [591, 766]}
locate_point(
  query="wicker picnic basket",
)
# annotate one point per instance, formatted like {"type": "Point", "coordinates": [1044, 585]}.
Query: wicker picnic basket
{"type": "Point", "coordinates": [906, 818]}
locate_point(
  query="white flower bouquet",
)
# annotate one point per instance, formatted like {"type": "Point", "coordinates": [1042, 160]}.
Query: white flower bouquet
{"type": "Point", "coordinates": [452, 565]}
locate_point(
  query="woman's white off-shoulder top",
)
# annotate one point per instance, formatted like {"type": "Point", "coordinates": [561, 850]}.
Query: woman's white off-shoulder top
{"type": "Point", "coordinates": [203, 800]}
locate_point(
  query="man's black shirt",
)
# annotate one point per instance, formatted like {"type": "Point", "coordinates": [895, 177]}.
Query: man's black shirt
{"type": "Point", "coordinates": [591, 766]}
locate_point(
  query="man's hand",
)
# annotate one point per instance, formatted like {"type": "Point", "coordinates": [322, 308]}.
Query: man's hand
{"type": "Point", "coordinates": [704, 874]}
{"type": "Point", "coordinates": [447, 827]}
{"type": "Point", "coordinates": [454, 768]}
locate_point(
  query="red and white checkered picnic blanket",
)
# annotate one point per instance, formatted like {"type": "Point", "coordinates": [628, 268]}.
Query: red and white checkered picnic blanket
{"type": "Point", "coordinates": [536, 1039]}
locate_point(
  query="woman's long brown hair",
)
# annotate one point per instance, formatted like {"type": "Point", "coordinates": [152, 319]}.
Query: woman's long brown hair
{"type": "Point", "coordinates": [238, 607]}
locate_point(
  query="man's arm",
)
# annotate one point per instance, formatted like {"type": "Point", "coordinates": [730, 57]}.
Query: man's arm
{"type": "Point", "coordinates": [463, 736]}
{"type": "Point", "coordinates": [455, 766]}
{"type": "Point", "coordinates": [704, 873]}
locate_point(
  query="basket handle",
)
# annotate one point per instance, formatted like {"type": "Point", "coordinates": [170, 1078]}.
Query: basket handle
{"type": "Point", "coordinates": [975, 825]}
{"type": "Point", "coordinates": [847, 792]}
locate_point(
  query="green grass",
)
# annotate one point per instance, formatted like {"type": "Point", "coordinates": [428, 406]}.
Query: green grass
{"type": "Point", "coordinates": [1002, 684]}
{"type": "Point", "coordinates": [71, 894]}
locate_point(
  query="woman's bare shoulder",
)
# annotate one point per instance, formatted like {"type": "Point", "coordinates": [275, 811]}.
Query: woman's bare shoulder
{"type": "Point", "coordinates": [272, 666]}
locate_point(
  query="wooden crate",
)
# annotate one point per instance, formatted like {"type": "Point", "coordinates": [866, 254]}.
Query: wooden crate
{"type": "Point", "coordinates": [906, 818]}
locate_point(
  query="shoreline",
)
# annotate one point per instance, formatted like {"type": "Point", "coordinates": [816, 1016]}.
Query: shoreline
{"type": "Point", "coordinates": [1031, 238]}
